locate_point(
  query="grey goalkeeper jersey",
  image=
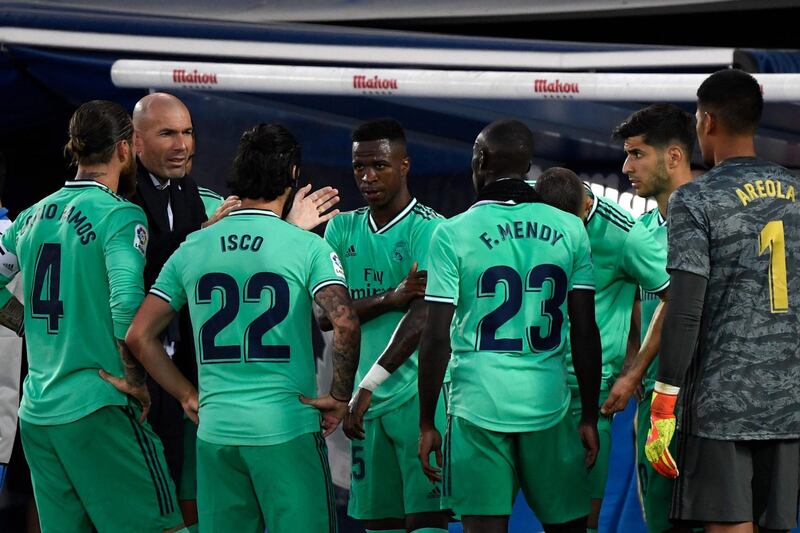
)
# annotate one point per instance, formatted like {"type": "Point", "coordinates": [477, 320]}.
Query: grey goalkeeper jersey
{"type": "Point", "coordinates": [739, 227]}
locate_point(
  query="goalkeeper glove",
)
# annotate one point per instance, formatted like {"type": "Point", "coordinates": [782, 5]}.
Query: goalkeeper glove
{"type": "Point", "coordinates": [662, 427]}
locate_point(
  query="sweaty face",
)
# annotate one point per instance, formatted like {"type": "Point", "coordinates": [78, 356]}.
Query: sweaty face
{"type": "Point", "coordinates": [645, 167]}
{"type": "Point", "coordinates": [380, 169]}
{"type": "Point", "coordinates": [164, 141]}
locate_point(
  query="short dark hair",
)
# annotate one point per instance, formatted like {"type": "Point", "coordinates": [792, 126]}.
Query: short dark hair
{"type": "Point", "coordinates": [734, 96]}
{"type": "Point", "coordinates": [561, 188]}
{"type": "Point", "coordinates": [377, 129]}
{"type": "Point", "coordinates": [659, 125]}
{"type": "Point", "coordinates": [94, 131]}
{"type": "Point", "coordinates": [263, 164]}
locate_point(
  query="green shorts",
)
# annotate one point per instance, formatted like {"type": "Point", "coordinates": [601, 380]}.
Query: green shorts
{"type": "Point", "coordinates": [484, 469]}
{"type": "Point", "coordinates": [188, 485]}
{"type": "Point", "coordinates": [655, 490]}
{"type": "Point", "coordinates": [386, 480]}
{"type": "Point", "coordinates": [599, 473]}
{"type": "Point", "coordinates": [105, 470]}
{"type": "Point", "coordinates": [284, 487]}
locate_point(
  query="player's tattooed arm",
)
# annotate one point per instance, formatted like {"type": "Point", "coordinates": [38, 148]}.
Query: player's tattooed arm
{"type": "Point", "coordinates": [134, 382]}
{"type": "Point", "coordinates": [12, 316]}
{"type": "Point", "coordinates": [412, 287]}
{"type": "Point", "coordinates": [406, 336]}
{"type": "Point", "coordinates": [335, 303]}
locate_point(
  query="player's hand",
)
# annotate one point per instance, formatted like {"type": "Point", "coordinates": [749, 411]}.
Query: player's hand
{"type": "Point", "coordinates": [310, 211]}
{"type": "Point", "coordinates": [191, 406]}
{"type": "Point", "coordinates": [662, 428]}
{"type": "Point", "coordinates": [412, 286]}
{"type": "Point", "coordinates": [624, 387]}
{"type": "Point", "coordinates": [331, 409]}
{"type": "Point", "coordinates": [224, 209]}
{"type": "Point", "coordinates": [354, 420]}
{"type": "Point", "coordinates": [138, 391]}
{"type": "Point", "coordinates": [430, 441]}
{"type": "Point", "coordinates": [591, 442]}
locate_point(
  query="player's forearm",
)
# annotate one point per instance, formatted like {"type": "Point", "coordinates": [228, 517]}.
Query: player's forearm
{"type": "Point", "coordinates": [336, 304]}
{"type": "Point", "coordinates": [634, 342]}
{"type": "Point", "coordinates": [650, 345]}
{"type": "Point", "coordinates": [587, 355]}
{"type": "Point", "coordinates": [134, 371]}
{"type": "Point", "coordinates": [681, 326]}
{"type": "Point", "coordinates": [12, 315]}
{"type": "Point", "coordinates": [125, 266]}
{"type": "Point", "coordinates": [434, 355]}
{"type": "Point", "coordinates": [150, 353]}
{"type": "Point", "coordinates": [365, 308]}
{"type": "Point", "coordinates": [406, 336]}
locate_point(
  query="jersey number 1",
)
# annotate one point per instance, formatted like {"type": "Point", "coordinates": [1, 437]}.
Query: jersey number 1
{"type": "Point", "coordinates": [45, 297]}
{"type": "Point", "coordinates": [772, 238]}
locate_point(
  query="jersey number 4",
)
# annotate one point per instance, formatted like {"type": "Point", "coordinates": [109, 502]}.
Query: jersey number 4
{"type": "Point", "coordinates": [539, 339]}
{"type": "Point", "coordinates": [46, 300]}
{"type": "Point", "coordinates": [254, 348]}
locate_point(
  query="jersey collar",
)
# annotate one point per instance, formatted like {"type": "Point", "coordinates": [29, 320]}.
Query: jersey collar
{"type": "Point", "coordinates": [400, 216]}
{"type": "Point", "coordinates": [661, 220]}
{"type": "Point", "coordinates": [493, 202]}
{"type": "Point", "coordinates": [253, 211]}
{"type": "Point", "coordinates": [80, 184]}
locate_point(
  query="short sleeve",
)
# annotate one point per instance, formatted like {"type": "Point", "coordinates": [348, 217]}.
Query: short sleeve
{"type": "Point", "coordinates": [443, 275]}
{"type": "Point", "coordinates": [688, 234]}
{"type": "Point", "coordinates": [644, 259]}
{"type": "Point", "coordinates": [582, 277]}
{"type": "Point", "coordinates": [420, 245]}
{"type": "Point", "coordinates": [324, 267]}
{"type": "Point", "coordinates": [168, 285]}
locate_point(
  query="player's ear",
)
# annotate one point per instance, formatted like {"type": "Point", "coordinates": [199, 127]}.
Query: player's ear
{"type": "Point", "coordinates": [137, 142]}
{"type": "Point", "coordinates": [674, 156]}
{"type": "Point", "coordinates": [405, 166]}
{"type": "Point", "coordinates": [123, 148]}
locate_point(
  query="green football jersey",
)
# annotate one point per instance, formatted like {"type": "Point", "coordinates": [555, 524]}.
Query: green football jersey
{"type": "Point", "coordinates": [211, 200]}
{"type": "Point", "coordinates": [249, 293]}
{"type": "Point", "coordinates": [81, 254]}
{"type": "Point", "coordinates": [508, 269]}
{"type": "Point", "coordinates": [658, 227]}
{"type": "Point", "coordinates": [624, 255]}
{"type": "Point", "coordinates": [376, 260]}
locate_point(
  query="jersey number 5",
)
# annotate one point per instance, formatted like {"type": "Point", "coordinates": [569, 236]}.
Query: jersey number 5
{"type": "Point", "coordinates": [772, 238]}
{"type": "Point", "coordinates": [539, 339]}
{"type": "Point", "coordinates": [254, 348]}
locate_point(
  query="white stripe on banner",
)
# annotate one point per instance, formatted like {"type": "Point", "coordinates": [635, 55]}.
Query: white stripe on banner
{"type": "Point", "coordinates": [429, 83]}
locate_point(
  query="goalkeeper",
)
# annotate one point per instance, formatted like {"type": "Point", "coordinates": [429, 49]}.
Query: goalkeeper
{"type": "Point", "coordinates": [729, 344]}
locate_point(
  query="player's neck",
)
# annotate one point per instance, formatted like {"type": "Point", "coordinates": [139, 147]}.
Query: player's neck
{"type": "Point", "coordinates": [276, 205]}
{"type": "Point", "coordinates": [679, 179]}
{"type": "Point", "coordinates": [730, 147]}
{"type": "Point", "coordinates": [99, 173]}
{"type": "Point", "coordinates": [385, 213]}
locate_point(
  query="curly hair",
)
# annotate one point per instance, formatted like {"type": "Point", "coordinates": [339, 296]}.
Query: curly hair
{"type": "Point", "coordinates": [263, 164]}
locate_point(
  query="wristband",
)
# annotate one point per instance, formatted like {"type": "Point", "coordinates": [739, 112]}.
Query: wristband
{"type": "Point", "coordinates": [376, 375]}
{"type": "Point", "coordinates": [663, 388]}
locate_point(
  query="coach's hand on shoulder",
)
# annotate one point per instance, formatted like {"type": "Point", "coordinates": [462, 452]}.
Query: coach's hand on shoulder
{"type": "Point", "coordinates": [331, 409]}
{"type": "Point", "coordinates": [412, 286]}
{"type": "Point", "coordinates": [224, 209]}
{"type": "Point", "coordinates": [662, 428]}
{"type": "Point", "coordinates": [590, 440]}
{"type": "Point", "coordinates": [310, 210]}
{"type": "Point", "coordinates": [138, 391]}
{"type": "Point", "coordinates": [354, 420]}
{"type": "Point", "coordinates": [430, 442]}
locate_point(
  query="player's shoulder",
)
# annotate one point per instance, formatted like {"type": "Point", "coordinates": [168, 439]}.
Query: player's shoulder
{"type": "Point", "coordinates": [422, 213]}
{"type": "Point", "coordinates": [205, 192]}
{"type": "Point", "coordinates": [612, 213]}
{"type": "Point", "coordinates": [649, 216]}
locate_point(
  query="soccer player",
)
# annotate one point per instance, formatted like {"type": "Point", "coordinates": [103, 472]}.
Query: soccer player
{"type": "Point", "coordinates": [261, 458]}
{"type": "Point", "coordinates": [384, 251]}
{"type": "Point", "coordinates": [506, 274]}
{"type": "Point", "coordinates": [658, 141]}
{"type": "Point", "coordinates": [94, 461]}
{"type": "Point", "coordinates": [624, 255]}
{"type": "Point", "coordinates": [729, 344]}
